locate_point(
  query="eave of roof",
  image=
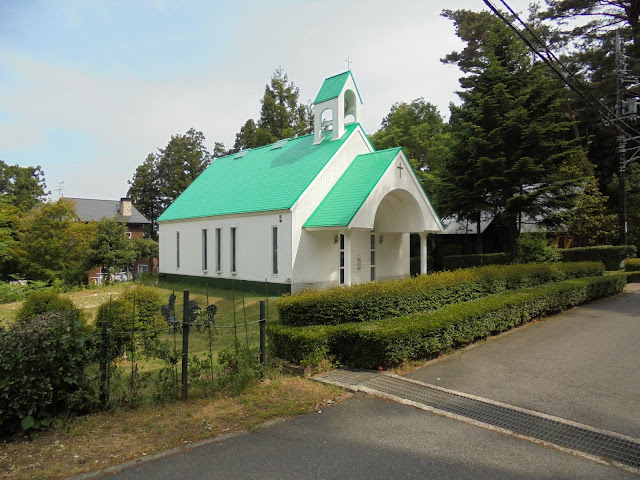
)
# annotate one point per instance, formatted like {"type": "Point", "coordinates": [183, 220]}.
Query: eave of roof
{"type": "Point", "coordinates": [332, 87]}
{"type": "Point", "coordinates": [351, 190]}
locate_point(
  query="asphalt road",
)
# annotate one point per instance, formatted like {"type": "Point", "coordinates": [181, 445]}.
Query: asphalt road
{"type": "Point", "coordinates": [582, 365]}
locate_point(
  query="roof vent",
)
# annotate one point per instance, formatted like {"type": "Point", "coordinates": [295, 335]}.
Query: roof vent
{"type": "Point", "coordinates": [279, 144]}
{"type": "Point", "coordinates": [242, 153]}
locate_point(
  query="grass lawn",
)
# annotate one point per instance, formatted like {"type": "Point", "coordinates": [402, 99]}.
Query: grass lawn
{"type": "Point", "coordinates": [103, 439]}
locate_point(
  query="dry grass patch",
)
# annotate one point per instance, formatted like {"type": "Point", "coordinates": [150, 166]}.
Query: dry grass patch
{"type": "Point", "coordinates": [98, 441]}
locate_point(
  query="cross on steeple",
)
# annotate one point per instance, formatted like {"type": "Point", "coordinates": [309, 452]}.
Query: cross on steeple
{"type": "Point", "coordinates": [349, 62]}
{"type": "Point", "coordinates": [400, 168]}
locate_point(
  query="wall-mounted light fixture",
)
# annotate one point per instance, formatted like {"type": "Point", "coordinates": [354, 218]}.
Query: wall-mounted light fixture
{"type": "Point", "coordinates": [381, 238]}
{"type": "Point", "coordinates": [359, 262]}
{"type": "Point", "coordinates": [337, 239]}
{"type": "Point", "coordinates": [280, 218]}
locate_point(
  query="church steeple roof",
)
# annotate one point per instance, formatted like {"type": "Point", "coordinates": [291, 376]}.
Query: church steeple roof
{"type": "Point", "coordinates": [332, 87]}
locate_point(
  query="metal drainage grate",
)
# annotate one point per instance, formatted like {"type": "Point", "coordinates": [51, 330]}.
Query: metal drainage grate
{"type": "Point", "coordinates": [610, 446]}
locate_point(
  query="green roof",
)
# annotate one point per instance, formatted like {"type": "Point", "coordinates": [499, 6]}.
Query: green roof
{"type": "Point", "coordinates": [352, 189]}
{"type": "Point", "coordinates": [263, 179]}
{"type": "Point", "coordinates": [332, 87]}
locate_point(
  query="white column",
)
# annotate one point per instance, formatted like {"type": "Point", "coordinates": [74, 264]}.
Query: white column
{"type": "Point", "coordinates": [347, 257]}
{"type": "Point", "coordinates": [423, 252]}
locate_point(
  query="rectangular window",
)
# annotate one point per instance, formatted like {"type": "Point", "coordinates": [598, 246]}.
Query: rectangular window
{"type": "Point", "coordinates": [218, 249]}
{"type": "Point", "coordinates": [233, 249]}
{"type": "Point", "coordinates": [177, 249]}
{"type": "Point", "coordinates": [341, 259]}
{"type": "Point", "coordinates": [274, 236]}
{"type": "Point", "coordinates": [204, 249]}
{"type": "Point", "coordinates": [142, 268]}
{"type": "Point", "coordinates": [373, 257]}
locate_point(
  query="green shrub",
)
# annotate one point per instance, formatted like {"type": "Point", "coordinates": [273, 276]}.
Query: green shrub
{"type": "Point", "coordinates": [16, 293]}
{"type": "Point", "coordinates": [43, 370]}
{"type": "Point", "coordinates": [611, 256]}
{"type": "Point", "coordinates": [390, 341]}
{"type": "Point", "coordinates": [453, 262]}
{"type": "Point", "coordinates": [535, 248]}
{"type": "Point", "coordinates": [632, 265]}
{"type": "Point", "coordinates": [373, 301]}
{"type": "Point", "coordinates": [44, 301]}
{"type": "Point", "coordinates": [136, 309]}
{"type": "Point", "coordinates": [414, 265]}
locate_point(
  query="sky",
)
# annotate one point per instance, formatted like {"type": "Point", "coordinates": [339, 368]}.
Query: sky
{"type": "Point", "coordinates": [89, 88]}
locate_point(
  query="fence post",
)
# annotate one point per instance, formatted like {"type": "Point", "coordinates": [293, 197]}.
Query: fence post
{"type": "Point", "coordinates": [103, 366]}
{"type": "Point", "coordinates": [263, 324]}
{"type": "Point", "coordinates": [185, 344]}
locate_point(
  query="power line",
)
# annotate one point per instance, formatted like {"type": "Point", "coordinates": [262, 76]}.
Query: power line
{"type": "Point", "coordinates": [600, 108]}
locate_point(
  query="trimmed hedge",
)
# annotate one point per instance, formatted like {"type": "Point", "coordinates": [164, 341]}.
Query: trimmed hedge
{"type": "Point", "coordinates": [453, 262]}
{"type": "Point", "coordinates": [391, 341]}
{"type": "Point", "coordinates": [611, 256]}
{"type": "Point", "coordinates": [373, 301]}
{"type": "Point", "coordinates": [632, 265]}
{"type": "Point", "coordinates": [414, 265]}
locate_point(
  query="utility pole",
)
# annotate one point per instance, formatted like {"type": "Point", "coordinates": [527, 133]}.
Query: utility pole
{"type": "Point", "coordinates": [622, 142]}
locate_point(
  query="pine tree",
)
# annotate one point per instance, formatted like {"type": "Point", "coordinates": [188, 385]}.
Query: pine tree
{"type": "Point", "coordinates": [511, 135]}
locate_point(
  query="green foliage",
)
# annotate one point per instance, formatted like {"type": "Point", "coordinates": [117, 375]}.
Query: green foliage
{"type": "Point", "coordinates": [512, 136]}
{"type": "Point", "coordinates": [111, 248]}
{"type": "Point", "coordinates": [43, 370]}
{"type": "Point", "coordinates": [135, 310]}
{"type": "Point", "coordinates": [419, 129]}
{"type": "Point", "coordinates": [44, 301]}
{"type": "Point", "coordinates": [144, 191]}
{"type": "Point", "coordinates": [535, 248]}
{"type": "Point", "coordinates": [16, 293]}
{"type": "Point", "coordinates": [52, 244]}
{"type": "Point", "coordinates": [146, 248]}
{"type": "Point", "coordinates": [281, 115]}
{"type": "Point", "coordinates": [240, 367]}
{"type": "Point", "coordinates": [414, 265]}
{"type": "Point", "coordinates": [453, 262]}
{"type": "Point", "coordinates": [589, 222]}
{"type": "Point", "coordinates": [632, 265]}
{"type": "Point", "coordinates": [611, 256]}
{"type": "Point", "coordinates": [372, 301]}
{"type": "Point", "coordinates": [390, 341]}
{"type": "Point", "coordinates": [159, 180]}
{"type": "Point", "coordinates": [22, 187]}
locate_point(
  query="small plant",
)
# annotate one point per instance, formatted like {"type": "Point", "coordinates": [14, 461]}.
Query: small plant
{"type": "Point", "coordinates": [240, 368]}
{"type": "Point", "coordinates": [535, 248]}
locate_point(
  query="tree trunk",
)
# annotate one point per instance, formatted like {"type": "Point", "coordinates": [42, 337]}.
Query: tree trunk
{"type": "Point", "coordinates": [478, 235]}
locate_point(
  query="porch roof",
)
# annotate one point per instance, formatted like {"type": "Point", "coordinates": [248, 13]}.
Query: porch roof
{"type": "Point", "coordinates": [351, 190]}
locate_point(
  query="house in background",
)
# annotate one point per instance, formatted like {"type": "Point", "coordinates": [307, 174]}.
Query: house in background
{"type": "Point", "coordinates": [122, 211]}
{"type": "Point", "coordinates": [311, 211]}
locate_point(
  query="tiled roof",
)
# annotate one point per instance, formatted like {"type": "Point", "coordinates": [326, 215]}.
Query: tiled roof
{"type": "Point", "coordinates": [91, 209]}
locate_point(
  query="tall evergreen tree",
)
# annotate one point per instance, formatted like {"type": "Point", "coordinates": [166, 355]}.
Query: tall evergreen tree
{"type": "Point", "coordinates": [512, 137]}
{"type": "Point", "coordinates": [144, 191]}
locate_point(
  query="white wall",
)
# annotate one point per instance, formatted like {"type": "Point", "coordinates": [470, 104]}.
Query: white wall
{"type": "Point", "coordinates": [303, 260]}
{"type": "Point", "coordinates": [254, 247]}
{"type": "Point", "coordinates": [392, 255]}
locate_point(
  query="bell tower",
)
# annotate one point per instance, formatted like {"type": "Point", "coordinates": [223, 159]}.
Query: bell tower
{"type": "Point", "coordinates": [337, 104]}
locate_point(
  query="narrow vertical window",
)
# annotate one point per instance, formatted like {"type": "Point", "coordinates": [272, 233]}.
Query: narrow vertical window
{"type": "Point", "coordinates": [233, 249]}
{"type": "Point", "coordinates": [341, 259]}
{"type": "Point", "coordinates": [274, 236]}
{"type": "Point", "coordinates": [204, 249]}
{"type": "Point", "coordinates": [177, 249]}
{"type": "Point", "coordinates": [218, 249]}
{"type": "Point", "coordinates": [373, 257]}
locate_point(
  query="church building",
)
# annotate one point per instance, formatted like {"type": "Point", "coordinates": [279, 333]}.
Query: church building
{"type": "Point", "coordinates": [312, 211]}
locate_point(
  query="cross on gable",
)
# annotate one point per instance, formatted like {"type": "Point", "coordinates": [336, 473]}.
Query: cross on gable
{"type": "Point", "coordinates": [400, 168]}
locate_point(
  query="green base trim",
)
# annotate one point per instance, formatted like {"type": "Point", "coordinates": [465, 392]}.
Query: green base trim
{"type": "Point", "coordinates": [272, 289]}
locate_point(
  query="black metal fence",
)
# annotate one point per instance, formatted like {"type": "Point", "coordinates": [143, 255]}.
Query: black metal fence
{"type": "Point", "coordinates": [192, 356]}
